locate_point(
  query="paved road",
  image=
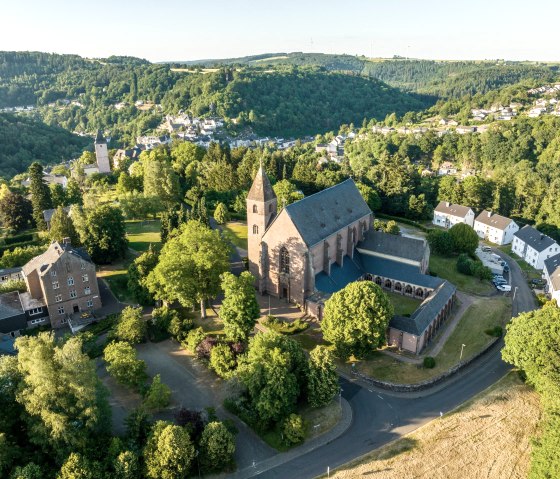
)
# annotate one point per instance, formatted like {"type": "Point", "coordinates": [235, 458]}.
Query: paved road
{"type": "Point", "coordinates": [380, 417]}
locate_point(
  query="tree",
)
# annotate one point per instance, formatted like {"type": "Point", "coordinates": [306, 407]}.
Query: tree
{"type": "Point", "coordinates": [217, 447]}
{"type": "Point", "coordinates": [40, 194]}
{"type": "Point", "coordinates": [60, 389]}
{"type": "Point", "coordinates": [126, 466]}
{"type": "Point", "coordinates": [16, 212]}
{"type": "Point", "coordinates": [286, 193]}
{"type": "Point", "coordinates": [239, 310]}
{"type": "Point", "coordinates": [169, 452]}
{"type": "Point", "coordinates": [392, 228]}
{"type": "Point", "coordinates": [464, 238]}
{"type": "Point", "coordinates": [160, 181]}
{"type": "Point", "coordinates": [274, 373]}
{"type": "Point", "coordinates": [131, 327]}
{"type": "Point", "coordinates": [73, 193]}
{"type": "Point", "coordinates": [138, 272]}
{"type": "Point", "coordinates": [62, 227]}
{"type": "Point", "coordinates": [123, 364]}
{"type": "Point", "coordinates": [29, 471]}
{"type": "Point", "coordinates": [77, 466]}
{"type": "Point", "coordinates": [222, 360]}
{"type": "Point", "coordinates": [293, 430]}
{"type": "Point", "coordinates": [370, 196]}
{"type": "Point", "coordinates": [190, 266]}
{"type": "Point", "coordinates": [322, 379]}
{"type": "Point", "coordinates": [418, 207]}
{"type": "Point", "coordinates": [158, 395]}
{"type": "Point", "coordinates": [58, 195]}
{"type": "Point", "coordinates": [356, 318]}
{"type": "Point", "coordinates": [104, 234]}
{"type": "Point", "coordinates": [440, 242]}
{"type": "Point", "coordinates": [221, 214]}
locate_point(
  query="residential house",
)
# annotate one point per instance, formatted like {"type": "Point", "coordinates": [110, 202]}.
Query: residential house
{"type": "Point", "coordinates": [552, 276]}
{"type": "Point", "coordinates": [533, 246]}
{"type": "Point", "coordinates": [63, 281]}
{"type": "Point", "coordinates": [10, 274]}
{"type": "Point", "coordinates": [495, 228]}
{"type": "Point", "coordinates": [122, 156]}
{"type": "Point", "coordinates": [448, 215]}
{"type": "Point", "coordinates": [447, 168]}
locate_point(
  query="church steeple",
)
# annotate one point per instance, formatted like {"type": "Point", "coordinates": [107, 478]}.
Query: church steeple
{"type": "Point", "coordinates": [261, 190]}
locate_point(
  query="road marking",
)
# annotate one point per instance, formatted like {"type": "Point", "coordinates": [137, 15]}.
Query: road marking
{"type": "Point", "coordinates": [379, 397]}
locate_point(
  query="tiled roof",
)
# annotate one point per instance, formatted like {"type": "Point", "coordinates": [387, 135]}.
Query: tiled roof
{"type": "Point", "coordinates": [261, 190]}
{"type": "Point", "coordinates": [552, 266]}
{"type": "Point", "coordinates": [318, 216]}
{"type": "Point", "coordinates": [534, 238]}
{"type": "Point", "coordinates": [494, 220]}
{"type": "Point", "coordinates": [450, 209]}
{"type": "Point", "coordinates": [394, 245]}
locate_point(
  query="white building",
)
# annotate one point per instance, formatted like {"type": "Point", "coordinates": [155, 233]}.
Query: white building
{"type": "Point", "coordinates": [101, 154]}
{"type": "Point", "coordinates": [447, 215]}
{"type": "Point", "coordinates": [552, 276]}
{"type": "Point", "coordinates": [533, 246]}
{"type": "Point", "coordinates": [447, 168]}
{"type": "Point", "coordinates": [495, 228]}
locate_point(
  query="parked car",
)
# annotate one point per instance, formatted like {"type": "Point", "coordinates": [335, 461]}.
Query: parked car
{"type": "Point", "coordinates": [506, 268]}
{"type": "Point", "coordinates": [498, 276]}
{"type": "Point", "coordinates": [499, 281]}
{"type": "Point", "coordinates": [486, 249]}
{"type": "Point", "coordinates": [504, 288]}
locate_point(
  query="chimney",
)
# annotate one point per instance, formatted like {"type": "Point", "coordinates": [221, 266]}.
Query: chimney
{"type": "Point", "coordinates": [489, 214]}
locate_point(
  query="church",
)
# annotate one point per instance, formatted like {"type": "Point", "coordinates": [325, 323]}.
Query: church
{"type": "Point", "coordinates": [316, 246]}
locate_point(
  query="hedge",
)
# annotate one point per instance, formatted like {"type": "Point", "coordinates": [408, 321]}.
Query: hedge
{"type": "Point", "coordinates": [406, 221]}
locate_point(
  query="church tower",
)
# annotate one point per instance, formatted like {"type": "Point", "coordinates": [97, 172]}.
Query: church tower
{"type": "Point", "coordinates": [101, 154]}
{"type": "Point", "coordinates": [261, 209]}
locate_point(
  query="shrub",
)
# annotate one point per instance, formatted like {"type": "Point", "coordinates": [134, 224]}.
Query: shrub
{"type": "Point", "coordinates": [293, 430]}
{"type": "Point", "coordinates": [465, 264]}
{"type": "Point", "coordinates": [205, 347]}
{"type": "Point", "coordinates": [285, 327]}
{"type": "Point", "coordinates": [158, 395]}
{"type": "Point", "coordinates": [429, 362]}
{"type": "Point", "coordinates": [179, 328]}
{"type": "Point", "coordinates": [222, 360]}
{"type": "Point", "coordinates": [194, 338]}
{"type": "Point", "coordinates": [191, 420]}
{"type": "Point", "coordinates": [13, 285]}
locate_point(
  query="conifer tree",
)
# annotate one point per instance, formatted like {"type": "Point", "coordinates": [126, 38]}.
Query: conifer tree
{"type": "Point", "coordinates": [40, 195]}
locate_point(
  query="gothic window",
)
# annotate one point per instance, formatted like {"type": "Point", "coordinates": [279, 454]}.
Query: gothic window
{"type": "Point", "coordinates": [255, 209]}
{"type": "Point", "coordinates": [284, 261]}
{"type": "Point", "coordinates": [255, 230]}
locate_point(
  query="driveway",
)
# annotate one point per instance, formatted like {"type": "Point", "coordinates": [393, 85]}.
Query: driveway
{"type": "Point", "coordinates": [195, 387]}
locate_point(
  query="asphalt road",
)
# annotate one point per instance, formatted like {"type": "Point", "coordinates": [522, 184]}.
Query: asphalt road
{"type": "Point", "coordinates": [381, 417]}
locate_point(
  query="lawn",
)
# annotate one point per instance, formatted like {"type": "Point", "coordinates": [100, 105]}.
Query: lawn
{"type": "Point", "coordinates": [116, 275]}
{"type": "Point", "coordinates": [480, 316]}
{"type": "Point", "coordinates": [490, 437]}
{"type": "Point", "coordinates": [446, 268]}
{"type": "Point", "coordinates": [141, 234]}
{"type": "Point", "coordinates": [403, 304]}
{"type": "Point", "coordinates": [236, 232]}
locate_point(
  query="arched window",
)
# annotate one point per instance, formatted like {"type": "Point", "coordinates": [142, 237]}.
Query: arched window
{"type": "Point", "coordinates": [255, 230]}
{"type": "Point", "coordinates": [255, 210]}
{"type": "Point", "coordinates": [284, 261]}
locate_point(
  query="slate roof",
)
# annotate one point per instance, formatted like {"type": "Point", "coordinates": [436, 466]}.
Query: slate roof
{"type": "Point", "coordinates": [394, 245]}
{"type": "Point", "coordinates": [10, 305]}
{"type": "Point", "coordinates": [494, 220]}
{"type": "Point", "coordinates": [261, 190]}
{"type": "Point", "coordinates": [340, 277]}
{"type": "Point", "coordinates": [318, 216]}
{"type": "Point", "coordinates": [426, 312]}
{"type": "Point", "coordinates": [552, 266]}
{"type": "Point", "coordinates": [450, 209]}
{"type": "Point", "coordinates": [7, 271]}
{"type": "Point", "coordinates": [100, 138]}
{"type": "Point", "coordinates": [51, 256]}
{"type": "Point", "coordinates": [534, 238]}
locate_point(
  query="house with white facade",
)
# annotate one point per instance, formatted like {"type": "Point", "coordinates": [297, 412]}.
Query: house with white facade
{"type": "Point", "coordinates": [447, 168]}
{"type": "Point", "coordinates": [495, 228]}
{"type": "Point", "coordinates": [533, 246]}
{"type": "Point", "coordinates": [552, 276]}
{"type": "Point", "coordinates": [447, 215]}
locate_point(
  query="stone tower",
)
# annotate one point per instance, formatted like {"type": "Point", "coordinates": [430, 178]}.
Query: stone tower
{"type": "Point", "coordinates": [261, 209]}
{"type": "Point", "coordinates": [101, 154]}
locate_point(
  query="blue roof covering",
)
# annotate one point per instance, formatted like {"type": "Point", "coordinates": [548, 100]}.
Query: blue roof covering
{"type": "Point", "coordinates": [339, 277]}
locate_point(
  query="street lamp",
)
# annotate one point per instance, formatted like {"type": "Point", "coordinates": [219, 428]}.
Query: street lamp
{"type": "Point", "coordinates": [461, 356]}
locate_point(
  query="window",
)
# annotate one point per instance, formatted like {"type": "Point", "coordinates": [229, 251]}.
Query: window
{"type": "Point", "coordinates": [70, 280]}
{"type": "Point", "coordinates": [255, 210]}
{"type": "Point", "coordinates": [4, 278]}
{"type": "Point", "coordinates": [85, 278]}
{"type": "Point", "coordinates": [255, 230]}
{"type": "Point", "coordinates": [58, 298]}
{"type": "Point", "coordinates": [53, 272]}
{"type": "Point", "coordinates": [55, 285]}
{"type": "Point", "coordinates": [89, 303]}
{"type": "Point", "coordinates": [83, 265]}
{"type": "Point", "coordinates": [61, 310]}
{"type": "Point", "coordinates": [73, 294]}
{"type": "Point", "coordinates": [35, 311]}
{"type": "Point", "coordinates": [63, 320]}
{"type": "Point", "coordinates": [37, 321]}
{"type": "Point", "coordinates": [87, 290]}
{"type": "Point", "coordinates": [284, 261]}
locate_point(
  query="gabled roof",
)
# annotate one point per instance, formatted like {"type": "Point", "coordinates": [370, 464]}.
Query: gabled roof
{"type": "Point", "coordinates": [552, 266]}
{"type": "Point", "coordinates": [261, 190]}
{"type": "Point", "coordinates": [10, 271]}
{"type": "Point", "coordinates": [450, 209]}
{"type": "Point", "coordinates": [534, 238]}
{"type": "Point", "coordinates": [494, 220]}
{"type": "Point", "coordinates": [44, 261]}
{"type": "Point", "coordinates": [318, 216]}
{"type": "Point", "coordinates": [394, 245]}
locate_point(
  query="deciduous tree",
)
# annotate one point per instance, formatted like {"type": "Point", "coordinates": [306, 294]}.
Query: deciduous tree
{"type": "Point", "coordinates": [123, 364]}
{"type": "Point", "coordinates": [62, 227]}
{"type": "Point", "coordinates": [239, 310]}
{"type": "Point", "coordinates": [16, 212]}
{"type": "Point", "coordinates": [217, 447]}
{"type": "Point", "coordinates": [131, 327]}
{"type": "Point", "coordinates": [322, 379]}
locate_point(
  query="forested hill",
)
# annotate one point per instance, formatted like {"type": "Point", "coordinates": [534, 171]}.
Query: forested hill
{"type": "Point", "coordinates": [24, 140]}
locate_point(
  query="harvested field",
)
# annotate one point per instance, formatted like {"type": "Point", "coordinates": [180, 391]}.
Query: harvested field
{"type": "Point", "coordinates": [489, 438]}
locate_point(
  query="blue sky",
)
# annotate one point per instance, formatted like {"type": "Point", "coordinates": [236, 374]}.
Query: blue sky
{"type": "Point", "coordinates": [186, 30]}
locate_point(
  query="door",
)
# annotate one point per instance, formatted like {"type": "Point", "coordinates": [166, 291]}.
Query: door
{"type": "Point", "coordinates": [284, 292]}
{"type": "Point", "coordinates": [76, 308]}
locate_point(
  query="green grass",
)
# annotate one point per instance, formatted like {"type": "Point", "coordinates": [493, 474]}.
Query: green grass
{"type": "Point", "coordinates": [116, 276]}
{"type": "Point", "coordinates": [141, 234]}
{"type": "Point", "coordinates": [483, 314]}
{"type": "Point", "coordinates": [403, 304]}
{"type": "Point", "coordinates": [236, 232]}
{"type": "Point", "coordinates": [530, 272]}
{"type": "Point", "coordinates": [446, 268]}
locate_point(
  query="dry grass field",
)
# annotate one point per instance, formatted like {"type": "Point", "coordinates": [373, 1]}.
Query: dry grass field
{"type": "Point", "coordinates": [488, 438]}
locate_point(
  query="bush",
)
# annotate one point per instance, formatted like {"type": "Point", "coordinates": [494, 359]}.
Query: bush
{"type": "Point", "coordinates": [158, 395]}
{"type": "Point", "coordinates": [285, 327]}
{"type": "Point", "coordinates": [465, 264]}
{"type": "Point", "coordinates": [293, 430]}
{"type": "Point", "coordinates": [194, 338]}
{"type": "Point", "coordinates": [440, 242]}
{"type": "Point", "coordinates": [204, 348]}
{"type": "Point", "coordinates": [13, 285]}
{"type": "Point", "coordinates": [429, 362]}
{"type": "Point", "coordinates": [222, 360]}
{"type": "Point", "coordinates": [496, 331]}
{"type": "Point", "coordinates": [179, 328]}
